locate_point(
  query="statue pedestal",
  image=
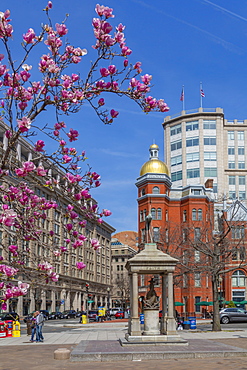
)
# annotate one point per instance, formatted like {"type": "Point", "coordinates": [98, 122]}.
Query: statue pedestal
{"type": "Point", "coordinates": [151, 321]}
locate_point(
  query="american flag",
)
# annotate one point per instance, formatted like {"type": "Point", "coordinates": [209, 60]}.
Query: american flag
{"type": "Point", "coordinates": [202, 93]}
{"type": "Point", "coordinates": [182, 95]}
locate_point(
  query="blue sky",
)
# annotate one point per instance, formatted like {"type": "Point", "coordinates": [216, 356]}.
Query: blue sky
{"type": "Point", "coordinates": [179, 43]}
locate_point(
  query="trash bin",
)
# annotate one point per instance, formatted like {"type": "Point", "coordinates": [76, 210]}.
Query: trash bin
{"type": "Point", "coordinates": [16, 329]}
{"type": "Point", "coordinates": [192, 321]}
{"type": "Point", "coordinates": [29, 327]}
{"type": "Point", "coordinates": [142, 318]}
{"type": "Point", "coordinates": [84, 319]}
{"type": "Point", "coordinates": [186, 325]}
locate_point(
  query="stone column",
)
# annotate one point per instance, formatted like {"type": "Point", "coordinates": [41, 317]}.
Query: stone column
{"type": "Point", "coordinates": [135, 321]}
{"type": "Point", "coordinates": [43, 297]}
{"type": "Point", "coordinates": [171, 322]}
{"type": "Point", "coordinates": [32, 303]}
{"type": "Point", "coordinates": [20, 306]}
{"type": "Point", "coordinates": [53, 303]}
{"type": "Point", "coordinates": [164, 304]}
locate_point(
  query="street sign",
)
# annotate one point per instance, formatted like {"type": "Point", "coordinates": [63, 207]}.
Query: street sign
{"type": "Point", "coordinates": [90, 301]}
{"type": "Point", "coordinates": [62, 301]}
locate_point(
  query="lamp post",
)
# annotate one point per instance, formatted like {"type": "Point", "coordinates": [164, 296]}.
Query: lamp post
{"type": "Point", "coordinates": [87, 288]}
{"type": "Point", "coordinates": [108, 298]}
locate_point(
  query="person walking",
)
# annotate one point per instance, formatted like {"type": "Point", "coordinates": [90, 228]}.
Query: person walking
{"type": "Point", "coordinates": [33, 326]}
{"type": "Point", "coordinates": [39, 326]}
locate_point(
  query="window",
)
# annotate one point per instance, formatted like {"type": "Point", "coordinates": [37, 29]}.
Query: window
{"type": "Point", "coordinates": [176, 160]}
{"type": "Point", "coordinates": [176, 145]}
{"type": "Point", "coordinates": [232, 180]}
{"type": "Point", "coordinates": [238, 278]}
{"type": "Point", "coordinates": [241, 165]}
{"type": "Point", "coordinates": [209, 156]}
{"type": "Point", "coordinates": [166, 215]}
{"type": "Point", "coordinates": [197, 233]}
{"type": "Point", "coordinates": [196, 191]}
{"type": "Point", "coordinates": [184, 216]}
{"type": "Point", "coordinates": [156, 234]}
{"type": "Point", "coordinates": [231, 150]}
{"type": "Point", "coordinates": [177, 176]}
{"type": "Point", "coordinates": [230, 135]}
{"type": "Point", "coordinates": [197, 279]}
{"type": "Point", "coordinates": [210, 141]}
{"type": "Point", "coordinates": [193, 172]}
{"type": "Point", "coordinates": [241, 150]}
{"type": "Point", "coordinates": [159, 214]}
{"type": "Point", "coordinates": [143, 235]}
{"type": "Point", "coordinates": [210, 172]}
{"type": "Point", "coordinates": [240, 135]}
{"type": "Point", "coordinates": [176, 129]}
{"type": "Point", "coordinates": [232, 195]}
{"type": "Point", "coordinates": [209, 125]}
{"type": "Point", "coordinates": [153, 213]}
{"type": "Point", "coordinates": [141, 216]}
{"type": "Point", "coordinates": [197, 307]}
{"type": "Point", "coordinates": [194, 141]}
{"type": "Point", "coordinates": [241, 180]}
{"type": "Point", "coordinates": [143, 192]}
{"type": "Point", "coordinates": [156, 190]}
{"type": "Point", "coordinates": [199, 214]}
{"type": "Point", "coordinates": [242, 195]}
{"type": "Point", "coordinates": [197, 256]}
{"type": "Point", "coordinates": [194, 215]}
{"type": "Point", "coordinates": [191, 126]}
{"type": "Point", "coordinates": [242, 253]}
{"type": "Point", "coordinates": [185, 235]}
{"type": "Point", "coordinates": [231, 164]}
{"type": "Point", "coordinates": [192, 157]}
{"type": "Point", "coordinates": [185, 281]}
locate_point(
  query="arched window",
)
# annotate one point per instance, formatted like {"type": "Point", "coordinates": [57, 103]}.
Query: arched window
{"type": "Point", "coordinates": [184, 216]}
{"type": "Point", "coordinates": [156, 234]}
{"type": "Point", "coordinates": [194, 214]}
{"type": "Point", "coordinates": [143, 192]}
{"type": "Point", "coordinates": [141, 216]}
{"type": "Point", "coordinates": [199, 214]}
{"type": "Point", "coordinates": [153, 213]}
{"type": "Point", "coordinates": [166, 215]}
{"type": "Point", "coordinates": [159, 214]}
{"type": "Point", "coordinates": [238, 278]}
{"type": "Point", "coordinates": [156, 190]}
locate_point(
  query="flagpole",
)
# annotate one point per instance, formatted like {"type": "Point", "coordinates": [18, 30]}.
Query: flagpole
{"type": "Point", "coordinates": [183, 100]}
{"type": "Point", "coordinates": [201, 93]}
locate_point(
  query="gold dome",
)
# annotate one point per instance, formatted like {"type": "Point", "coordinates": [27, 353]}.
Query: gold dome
{"type": "Point", "coordinates": [154, 166]}
{"type": "Point", "coordinates": [154, 146]}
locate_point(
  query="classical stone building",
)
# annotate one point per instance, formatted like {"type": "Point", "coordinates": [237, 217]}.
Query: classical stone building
{"type": "Point", "coordinates": [70, 290]}
{"type": "Point", "coordinates": [121, 253]}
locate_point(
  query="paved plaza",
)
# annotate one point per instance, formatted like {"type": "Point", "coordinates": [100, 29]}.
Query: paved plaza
{"type": "Point", "coordinates": [223, 350]}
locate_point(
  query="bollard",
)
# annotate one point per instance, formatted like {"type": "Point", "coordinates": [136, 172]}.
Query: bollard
{"type": "Point", "coordinates": [62, 354]}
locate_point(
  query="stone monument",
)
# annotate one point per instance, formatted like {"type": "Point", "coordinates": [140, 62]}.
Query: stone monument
{"type": "Point", "coordinates": [152, 261]}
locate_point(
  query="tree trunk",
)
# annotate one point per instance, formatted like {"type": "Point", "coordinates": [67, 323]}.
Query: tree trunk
{"type": "Point", "coordinates": [216, 310]}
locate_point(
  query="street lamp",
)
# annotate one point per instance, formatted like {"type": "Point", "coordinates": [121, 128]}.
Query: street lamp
{"type": "Point", "coordinates": [108, 298]}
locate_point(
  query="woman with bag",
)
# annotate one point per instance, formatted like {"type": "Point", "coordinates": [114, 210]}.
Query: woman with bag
{"type": "Point", "coordinates": [33, 326]}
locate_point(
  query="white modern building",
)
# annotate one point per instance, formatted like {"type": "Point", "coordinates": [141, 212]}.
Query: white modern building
{"type": "Point", "coordinates": [201, 144]}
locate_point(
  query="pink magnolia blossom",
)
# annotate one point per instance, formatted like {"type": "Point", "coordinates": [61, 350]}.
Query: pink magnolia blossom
{"type": "Point", "coordinates": [24, 124]}
{"type": "Point", "coordinates": [106, 212]}
{"type": "Point", "coordinates": [95, 243]}
{"type": "Point", "coordinates": [41, 171]}
{"type": "Point", "coordinates": [61, 29]}
{"type": "Point", "coordinates": [80, 265]}
{"type": "Point", "coordinates": [114, 113]}
{"type": "Point", "coordinates": [13, 248]}
{"type": "Point", "coordinates": [29, 36]}
{"type": "Point", "coordinates": [101, 101]}
{"type": "Point", "coordinates": [39, 145]}
{"type": "Point", "coordinates": [73, 135]}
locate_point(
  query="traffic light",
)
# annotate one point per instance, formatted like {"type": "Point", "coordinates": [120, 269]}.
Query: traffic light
{"type": "Point", "coordinates": [87, 287]}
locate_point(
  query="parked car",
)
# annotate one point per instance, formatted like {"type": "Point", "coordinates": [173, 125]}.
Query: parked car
{"type": "Point", "coordinates": [9, 316]}
{"type": "Point", "coordinates": [92, 315]}
{"type": "Point", "coordinates": [54, 315]}
{"type": "Point", "coordinates": [233, 315]}
{"type": "Point", "coordinates": [69, 314]}
{"type": "Point", "coordinates": [119, 315]}
{"type": "Point", "coordinates": [113, 311]}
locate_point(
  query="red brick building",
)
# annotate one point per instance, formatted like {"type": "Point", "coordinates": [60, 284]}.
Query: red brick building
{"type": "Point", "coordinates": [179, 215]}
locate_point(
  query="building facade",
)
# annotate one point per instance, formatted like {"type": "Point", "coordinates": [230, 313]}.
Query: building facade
{"type": "Point", "coordinates": [69, 292]}
{"type": "Point", "coordinates": [121, 288]}
{"type": "Point", "coordinates": [201, 144]}
{"type": "Point", "coordinates": [178, 214]}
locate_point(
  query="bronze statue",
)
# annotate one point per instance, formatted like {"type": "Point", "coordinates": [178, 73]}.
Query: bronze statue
{"type": "Point", "coordinates": [151, 297]}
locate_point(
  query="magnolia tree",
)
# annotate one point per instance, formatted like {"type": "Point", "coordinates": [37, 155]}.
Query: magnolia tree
{"type": "Point", "coordinates": [58, 88]}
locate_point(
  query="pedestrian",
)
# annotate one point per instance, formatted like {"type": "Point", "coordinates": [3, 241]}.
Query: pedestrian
{"type": "Point", "coordinates": [33, 326]}
{"type": "Point", "coordinates": [39, 326]}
